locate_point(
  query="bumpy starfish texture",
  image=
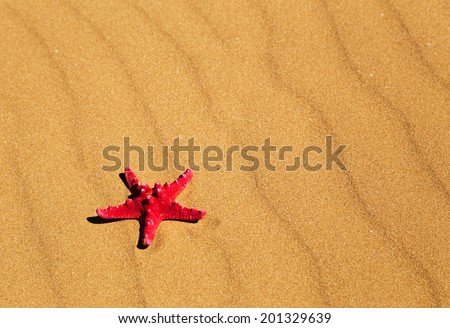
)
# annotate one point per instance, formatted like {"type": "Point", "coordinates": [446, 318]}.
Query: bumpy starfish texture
{"type": "Point", "coordinates": [150, 206]}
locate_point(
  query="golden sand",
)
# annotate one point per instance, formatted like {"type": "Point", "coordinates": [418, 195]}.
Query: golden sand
{"type": "Point", "coordinates": [76, 76]}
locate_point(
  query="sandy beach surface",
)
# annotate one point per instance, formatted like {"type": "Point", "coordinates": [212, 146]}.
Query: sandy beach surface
{"type": "Point", "coordinates": [78, 76]}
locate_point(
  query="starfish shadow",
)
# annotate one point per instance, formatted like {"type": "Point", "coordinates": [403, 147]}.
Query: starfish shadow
{"type": "Point", "coordinates": [99, 220]}
{"type": "Point", "coordinates": [124, 180]}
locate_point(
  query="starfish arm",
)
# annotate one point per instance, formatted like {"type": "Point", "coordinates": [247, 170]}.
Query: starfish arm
{"type": "Point", "coordinates": [131, 178]}
{"type": "Point", "coordinates": [129, 210]}
{"type": "Point", "coordinates": [133, 183]}
{"type": "Point", "coordinates": [177, 212]}
{"type": "Point", "coordinates": [149, 225]}
{"type": "Point", "coordinates": [172, 190]}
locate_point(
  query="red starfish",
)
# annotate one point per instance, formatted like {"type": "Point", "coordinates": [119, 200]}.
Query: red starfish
{"type": "Point", "coordinates": [150, 206]}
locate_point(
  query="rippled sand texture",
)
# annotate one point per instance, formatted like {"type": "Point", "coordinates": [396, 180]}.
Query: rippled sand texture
{"type": "Point", "coordinates": [77, 76]}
